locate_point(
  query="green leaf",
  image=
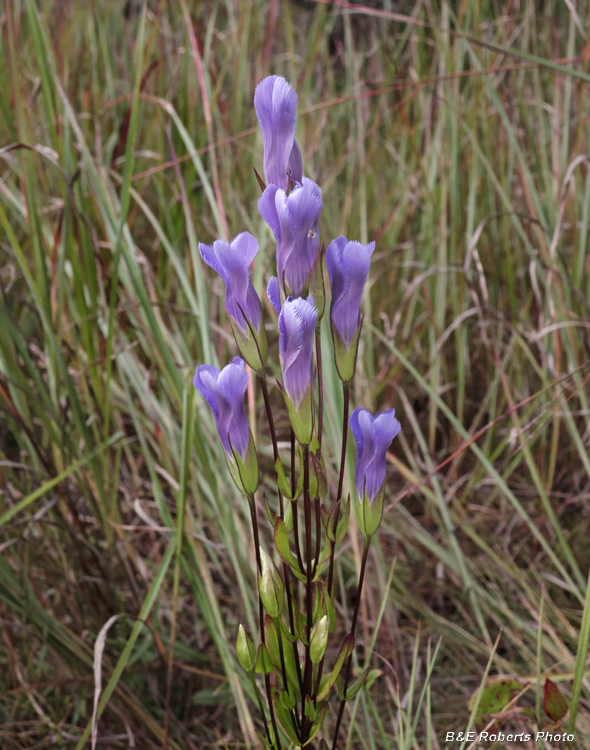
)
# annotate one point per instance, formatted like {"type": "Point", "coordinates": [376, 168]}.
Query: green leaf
{"type": "Point", "coordinates": [318, 484]}
{"type": "Point", "coordinates": [553, 702]}
{"type": "Point", "coordinates": [288, 517]}
{"type": "Point", "coordinates": [264, 663]}
{"type": "Point", "coordinates": [282, 480]}
{"type": "Point", "coordinates": [345, 651]}
{"type": "Point", "coordinates": [315, 727]}
{"type": "Point", "coordinates": [286, 721]}
{"type": "Point", "coordinates": [272, 642]}
{"type": "Point", "coordinates": [268, 512]}
{"type": "Point", "coordinates": [284, 549]}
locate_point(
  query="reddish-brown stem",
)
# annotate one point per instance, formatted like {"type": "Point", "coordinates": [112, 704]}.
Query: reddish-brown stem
{"type": "Point", "coordinates": [308, 670]}
{"type": "Point", "coordinates": [275, 448]}
{"type": "Point", "coordinates": [261, 616]}
{"type": "Point", "coordinates": [346, 397]}
{"type": "Point", "coordinates": [352, 630]}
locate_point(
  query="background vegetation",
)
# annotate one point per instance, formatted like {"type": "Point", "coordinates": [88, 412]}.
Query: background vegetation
{"type": "Point", "coordinates": [453, 133]}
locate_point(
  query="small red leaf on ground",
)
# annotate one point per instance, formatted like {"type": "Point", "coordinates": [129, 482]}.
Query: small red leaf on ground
{"type": "Point", "coordinates": [553, 702]}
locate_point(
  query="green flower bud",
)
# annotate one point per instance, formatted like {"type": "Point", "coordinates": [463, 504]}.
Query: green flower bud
{"type": "Point", "coordinates": [245, 650]}
{"type": "Point", "coordinates": [270, 585]}
{"type": "Point", "coordinates": [319, 639]}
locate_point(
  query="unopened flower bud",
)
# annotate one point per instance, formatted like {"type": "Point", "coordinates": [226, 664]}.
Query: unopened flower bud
{"type": "Point", "coordinates": [270, 585]}
{"type": "Point", "coordinates": [245, 650]}
{"type": "Point", "coordinates": [319, 639]}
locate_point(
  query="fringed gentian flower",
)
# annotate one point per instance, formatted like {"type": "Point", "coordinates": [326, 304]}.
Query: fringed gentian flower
{"type": "Point", "coordinates": [275, 102]}
{"type": "Point", "coordinates": [297, 321]}
{"type": "Point", "coordinates": [373, 437]}
{"type": "Point", "coordinates": [232, 262]}
{"type": "Point", "coordinates": [224, 392]}
{"type": "Point", "coordinates": [294, 221]}
{"type": "Point", "coordinates": [348, 266]}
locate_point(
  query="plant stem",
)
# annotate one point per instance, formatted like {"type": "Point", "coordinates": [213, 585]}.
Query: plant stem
{"type": "Point", "coordinates": [352, 630]}
{"type": "Point", "coordinates": [294, 506]}
{"type": "Point", "coordinates": [252, 505]}
{"type": "Point", "coordinates": [318, 356]}
{"type": "Point", "coordinates": [275, 448]}
{"type": "Point", "coordinates": [271, 425]}
{"type": "Point", "coordinates": [346, 397]}
{"type": "Point", "coordinates": [308, 672]}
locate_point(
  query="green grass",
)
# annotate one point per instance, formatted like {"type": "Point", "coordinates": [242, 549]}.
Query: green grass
{"type": "Point", "coordinates": [455, 135]}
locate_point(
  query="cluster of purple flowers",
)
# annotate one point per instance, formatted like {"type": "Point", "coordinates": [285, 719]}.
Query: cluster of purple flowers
{"type": "Point", "coordinates": [291, 205]}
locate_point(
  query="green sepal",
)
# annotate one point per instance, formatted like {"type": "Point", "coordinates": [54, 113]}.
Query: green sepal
{"type": "Point", "coordinates": [369, 514]}
{"type": "Point", "coordinates": [286, 721]}
{"type": "Point", "coordinates": [253, 345]}
{"type": "Point", "coordinates": [268, 512]}
{"type": "Point", "coordinates": [309, 709]}
{"type": "Point", "coordinates": [282, 480]}
{"type": "Point", "coordinates": [316, 285]}
{"type": "Point", "coordinates": [284, 549]}
{"type": "Point", "coordinates": [345, 651]}
{"type": "Point", "coordinates": [264, 663]}
{"type": "Point", "coordinates": [336, 531]}
{"type": "Point", "coordinates": [301, 621]}
{"type": "Point", "coordinates": [245, 650]}
{"type": "Point", "coordinates": [288, 517]}
{"type": "Point", "coordinates": [322, 561]}
{"type": "Point", "coordinates": [302, 418]}
{"type": "Point", "coordinates": [318, 484]}
{"type": "Point", "coordinates": [315, 727]}
{"type": "Point", "coordinates": [285, 631]}
{"type": "Point", "coordinates": [319, 640]}
{"type": "Point", "coordinates": [272, 643]}
{"type": "Point", "coordinates": [245, 473]}
{"type": "Point", "coordinates": [345, 357]}
{"type": "Point", "coordinates": [288, 699]}
{"type": "Point", "coordinates": [270, 585]}
{"type": "Point", "coordinates": [323, 605]}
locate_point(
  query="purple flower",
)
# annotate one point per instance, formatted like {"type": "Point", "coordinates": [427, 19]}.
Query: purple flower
{"type": "Point", "coordinates": [348, 266]}
{"type": "Point", "coordinates": [373, 437]}
{"type": "Point", "coordinates": [232, 262]}
{"type": "Point", "coordinates": [275, 102]}
{"type": "Point", "coordinates": [224, 392]}
{"type": "Point", "coordinates": [297, 321]}
{"type": "Point", "coordinates": [294, 221]}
